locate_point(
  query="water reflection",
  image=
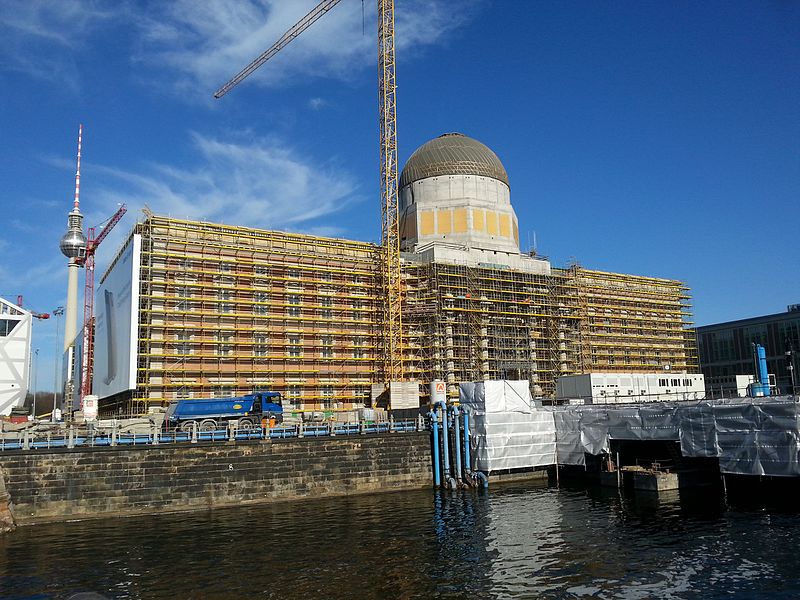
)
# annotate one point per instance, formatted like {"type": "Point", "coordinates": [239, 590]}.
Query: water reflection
{"type": "Point", "coordinates": [515, 541]}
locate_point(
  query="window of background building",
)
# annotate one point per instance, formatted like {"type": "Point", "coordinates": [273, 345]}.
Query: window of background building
{"type": "Point", "coordinates": [357, 305]}
{"type": "Point", "coordinates": [295, 349]}
{"type": "Point", "coordinates": [260, 346]}
{"type": "Point", "coordinates": [327, 346]}
{"type": "Point", "coordinates": [326, 312]}
{"type": "Point", "coordinates": [225, 305]}
{"type": "Point", "coordinates": [224, 347]}
{"type": "Point", "coordinates": [261, 309]}
{"type": "Point", "coordinates": [182, 345]}
{"type": "Point", "coordinates": [294, 309]}
{"type": "Point", "coordinates": [182, 295]}
{"type": "Point", "coordinates": [294, 394]}
{"type": "Point", "coordinates": [327, 393]}
{"type": "Point", "coordinates": [223, 391]}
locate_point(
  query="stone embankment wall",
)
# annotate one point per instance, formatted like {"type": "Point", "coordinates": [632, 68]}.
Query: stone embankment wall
{"type": "Point", "coordinates": [68, 484]}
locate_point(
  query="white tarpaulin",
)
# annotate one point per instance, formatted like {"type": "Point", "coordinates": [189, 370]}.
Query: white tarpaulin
{"type": "Point", "coordinates": [506, 430]}
{"type": "Point", "coordinates": [496, 396]}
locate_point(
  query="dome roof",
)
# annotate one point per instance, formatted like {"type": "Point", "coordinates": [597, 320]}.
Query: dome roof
{"type": "Point", "coordinates": [452, 154]}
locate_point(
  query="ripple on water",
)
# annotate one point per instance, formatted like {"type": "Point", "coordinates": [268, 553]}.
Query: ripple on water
{"type": "Point", "coordinates": [517, 541]}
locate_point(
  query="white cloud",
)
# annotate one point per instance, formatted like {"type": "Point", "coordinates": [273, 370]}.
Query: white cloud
{"type": "Point", "coordinates": [208, 43]}
{"type": "Point", "coordinates": [40, 275]}
{"type": "Point", "coordinates": [198, 46]}
{"type": "Point", "coordinates": [316, 103]}
{"type": "Point", "coordinates": [258, 183]}
{"type": "Point", "coordinates": [38, 37]}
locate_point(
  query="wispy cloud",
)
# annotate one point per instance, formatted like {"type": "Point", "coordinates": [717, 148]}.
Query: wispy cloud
{"type": "Point", "coordinates": [39, 37]}
{"type": "Point", "coordinates": [316, 103]}
{"type": "Point", "coordinates": [200, 45]}
{"type": "Point", "coordinates": [261, 183]}
{"type": "Point", "coordinates": [43, 274]}
{"type": "Point", "coordinates": [207, 43]}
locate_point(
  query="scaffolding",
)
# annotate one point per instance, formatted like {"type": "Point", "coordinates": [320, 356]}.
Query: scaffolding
{"type": "Point", "coordinates": [226, 310]}
{"type": "Point", "coordinates": [469, 323]}
{"type": "Point", "coordinates": [634, 323]}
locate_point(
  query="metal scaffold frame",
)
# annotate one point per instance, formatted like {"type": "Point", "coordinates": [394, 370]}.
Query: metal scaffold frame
{"type": "Point", "coordinates": [471, 323]}
{"type": "Point", "coordinates": [226, 310]}
{"type": "Point", "coordinates": [635, 323]}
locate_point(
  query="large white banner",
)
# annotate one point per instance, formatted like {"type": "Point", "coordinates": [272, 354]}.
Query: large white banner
{"type": "Point", "coordinates": [116, 329]}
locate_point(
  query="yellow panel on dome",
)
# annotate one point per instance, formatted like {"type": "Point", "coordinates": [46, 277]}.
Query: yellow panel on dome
{"type": "Point", "coordinates": [426, 223]}
{"type": "Point", "coordinates": [491, 222]}
{"type": "Point", "coordinates": [516, 232]}
{"type": "Point", "coordinates": [478, 220]}
{"type": "Point", "coordinates": [444, 221]}
{"type": "Point", "coordinates": [460, 220]}
{"type": "Point", "coordinates": [505, 226]}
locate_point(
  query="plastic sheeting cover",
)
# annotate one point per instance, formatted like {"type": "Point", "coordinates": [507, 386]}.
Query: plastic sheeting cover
{"type": "Point", "coordinates": [512, 440]}
{"type": "Point", "coordinates": [496, 396]}
{"type": "Point", "coordinates": [748, 436]}
{"type": "Point", "coordinates": [506, 430]}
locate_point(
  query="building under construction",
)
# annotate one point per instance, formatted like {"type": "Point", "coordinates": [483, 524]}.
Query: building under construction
{"type": "Point", "coordinates": [194, 309]}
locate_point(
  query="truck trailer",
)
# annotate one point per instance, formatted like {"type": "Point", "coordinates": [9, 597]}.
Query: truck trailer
{"type": "Point", "coordinates": [208, 414]}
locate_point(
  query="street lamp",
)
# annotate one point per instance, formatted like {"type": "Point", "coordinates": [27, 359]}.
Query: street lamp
{"type": "Point", "coordinates": [35, 374]}
{"type": "Point", "coordinates": [790, 367]}
{"type": "Point", "coordinates": [57, 313]}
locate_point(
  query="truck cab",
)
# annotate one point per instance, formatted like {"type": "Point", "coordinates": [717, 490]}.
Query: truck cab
{"type": "Point", "coordinates": [269, 404]}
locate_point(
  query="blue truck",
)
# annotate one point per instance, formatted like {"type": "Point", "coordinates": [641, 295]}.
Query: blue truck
{"type": "Point", "coordinates": [208, 414]}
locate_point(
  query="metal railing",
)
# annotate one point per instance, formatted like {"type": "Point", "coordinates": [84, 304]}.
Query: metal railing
{"type": "Point", "coordinates": [88, 437]}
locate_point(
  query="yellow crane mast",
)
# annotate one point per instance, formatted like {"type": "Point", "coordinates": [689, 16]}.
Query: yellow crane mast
{"type": "Point", "coordinates": [392, 333]}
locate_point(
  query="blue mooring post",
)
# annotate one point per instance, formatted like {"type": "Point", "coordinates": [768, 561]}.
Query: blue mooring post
{"type": "Point", "coordinates": [467, 461]}
{"type": "Point", "coordinates": [456, 442]}
{"type": "Point", "coordinates": [445, 444]}
{"type": "Point", "coordinates": [437, 480]}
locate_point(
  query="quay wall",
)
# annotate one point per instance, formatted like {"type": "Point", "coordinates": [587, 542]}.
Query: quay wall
{"type": "Point", "coordinates": [55, 485]}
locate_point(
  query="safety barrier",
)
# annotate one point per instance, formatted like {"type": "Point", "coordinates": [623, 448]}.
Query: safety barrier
{"type": "Point", "coordinates": [83, 437]}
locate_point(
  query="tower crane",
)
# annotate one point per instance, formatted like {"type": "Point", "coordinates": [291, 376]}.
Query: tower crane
{"type": "Point", "coordinates": [87, 261]}
{"type": "Point", "coordinates": [392, 336]}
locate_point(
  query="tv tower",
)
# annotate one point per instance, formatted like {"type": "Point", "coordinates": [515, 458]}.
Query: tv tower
{"type": "Point", "coordinates": [73, 246]}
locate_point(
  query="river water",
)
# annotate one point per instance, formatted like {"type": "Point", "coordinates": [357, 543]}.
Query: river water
{"type": "Point", "coordinates": [514, 541]}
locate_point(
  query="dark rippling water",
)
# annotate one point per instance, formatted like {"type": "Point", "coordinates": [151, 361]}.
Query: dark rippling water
{"type": "Point", "coordinates": [516, 541]}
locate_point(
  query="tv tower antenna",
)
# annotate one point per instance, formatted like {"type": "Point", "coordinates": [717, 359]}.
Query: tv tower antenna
{"type": "Point", "coordinates": [73, 246]}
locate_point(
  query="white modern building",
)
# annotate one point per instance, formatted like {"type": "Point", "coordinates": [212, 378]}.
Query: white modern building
{"type": "Point", "coordinates": [625, 388]}
{"type": "Point", "coordinates": [15, 351]}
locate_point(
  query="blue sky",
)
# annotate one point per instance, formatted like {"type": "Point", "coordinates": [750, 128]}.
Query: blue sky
{"type": "Point", "coordinates": [649, 138]}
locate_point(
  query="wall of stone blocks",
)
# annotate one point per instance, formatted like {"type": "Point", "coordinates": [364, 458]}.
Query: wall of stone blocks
{"type": "Point", "coordinates": [67, 484]}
